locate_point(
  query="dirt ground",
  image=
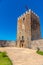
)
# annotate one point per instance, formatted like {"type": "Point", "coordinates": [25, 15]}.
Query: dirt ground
{"type": "Point", "coordinates": [23, 56]}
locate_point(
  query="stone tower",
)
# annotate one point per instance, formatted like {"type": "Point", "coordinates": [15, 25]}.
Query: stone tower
{"type": "Point", "coordinates": [28, 29]}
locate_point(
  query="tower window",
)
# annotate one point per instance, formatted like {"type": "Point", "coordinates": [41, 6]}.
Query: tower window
{"type": "Point", "coordinates": [23, 19]}
{"type": "Point", "coordinates": [22, 37]}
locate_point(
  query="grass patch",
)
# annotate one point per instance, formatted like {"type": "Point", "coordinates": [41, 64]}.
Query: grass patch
{"type": "Point", "coordinates": [40, 52]}
{"type": "Point", "coordinates": [4, 59]}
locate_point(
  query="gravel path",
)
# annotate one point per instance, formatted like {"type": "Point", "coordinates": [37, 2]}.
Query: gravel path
{"type": "Point", "coordinates": [23, 56]}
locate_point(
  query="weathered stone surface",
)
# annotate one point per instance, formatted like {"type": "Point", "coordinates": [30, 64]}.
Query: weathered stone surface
{"type": "Point", "coordinates": [28, 29]}
{"type": "Point", "coordinates": [7, 43]}
{"type": "Point", "coordinates": [37, 44]}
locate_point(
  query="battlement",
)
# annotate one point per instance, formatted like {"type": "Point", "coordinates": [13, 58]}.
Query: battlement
{"type": "Point", "coordinates": [27, 12]}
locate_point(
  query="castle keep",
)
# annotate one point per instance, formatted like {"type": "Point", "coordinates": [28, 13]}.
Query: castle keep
{"type": "Point", "coordinates": [28, 32]}
{"type": "Point", "coordinates": [28, 29]}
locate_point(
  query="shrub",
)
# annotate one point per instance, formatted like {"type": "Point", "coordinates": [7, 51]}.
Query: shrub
{"type": "Point", "coordinates": [39, 52]}
{"type": "Point", "coordinates": [38, 49]}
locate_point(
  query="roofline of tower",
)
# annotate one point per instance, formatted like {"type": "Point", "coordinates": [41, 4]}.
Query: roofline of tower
{"type": "Point", "coordinates": [27, 13]}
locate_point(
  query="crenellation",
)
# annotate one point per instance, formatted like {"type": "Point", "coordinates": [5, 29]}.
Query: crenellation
{"type": "Point", "coordinates": [23, 14]}
{"type": "Point", "coordinates": [18, 18]}
{"type": "Point", "coordinates": [38, 16]}
{"type": "Point", "coordinates": [29, 10]}
{"type": "Point", "coordinates": [26, 12]}
{"type": "Point", "coordinates": [34, 13]}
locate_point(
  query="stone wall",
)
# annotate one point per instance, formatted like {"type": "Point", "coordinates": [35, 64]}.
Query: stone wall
{"type": "Point", "coordinates": [35, 27]}
{"type": "Point", "coordinates": [33, 44]}
{"type": "Point", "coordinates": [3, 43]}
{"type": "Point", "coordinates": [11, 43]}
{"type": "Point", "coordinates": [37, 44]}
{"type": "Point", "coordinates": [7, 43]}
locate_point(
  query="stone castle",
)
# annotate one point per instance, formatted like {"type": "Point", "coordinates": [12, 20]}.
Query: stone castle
{"type": "Point", "coordinates": [28, 28]}
{"type": "Point", "coordinates": [28, 32]}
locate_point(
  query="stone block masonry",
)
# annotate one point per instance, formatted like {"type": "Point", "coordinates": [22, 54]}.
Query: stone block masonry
{"type": "Point", "coordinates": [5, 43]}
{"type": "Point", "coordinates": [37, 44]}
{"type": "Point", "coordinates": [28, 29]}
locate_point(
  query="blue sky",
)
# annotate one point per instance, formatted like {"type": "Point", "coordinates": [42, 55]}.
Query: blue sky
{"type": "Point", "coordinates": [10, 10]}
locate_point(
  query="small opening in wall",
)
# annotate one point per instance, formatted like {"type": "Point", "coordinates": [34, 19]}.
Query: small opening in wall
{"type": "Point", "coordinates": [22, 37]}
{"type": "Point", "coordinates": [22, 45]}
{"type": "Point", "coordinates": [23, 19]}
